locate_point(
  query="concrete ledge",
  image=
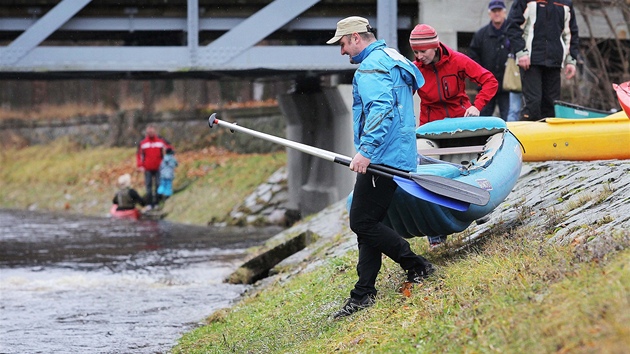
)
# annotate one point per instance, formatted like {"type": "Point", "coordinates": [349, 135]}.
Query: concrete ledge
{"type": "Point", "coordinates": [258, 267]}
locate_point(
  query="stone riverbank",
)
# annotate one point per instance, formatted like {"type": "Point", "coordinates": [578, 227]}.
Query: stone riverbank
{"type": "Point", "coordinates": [586, 204]}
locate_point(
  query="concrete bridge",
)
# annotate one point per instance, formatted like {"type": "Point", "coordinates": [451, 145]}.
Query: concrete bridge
{"type": "Point", "coordinates": [49, 39]}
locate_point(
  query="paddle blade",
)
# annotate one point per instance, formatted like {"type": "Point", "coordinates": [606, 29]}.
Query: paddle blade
{"type": "Point", "coordinates": [453, 189]}
{"type": "Point", "coordinates": [417, 191]}
{"type": "Point", "coordinates": [212, 120]}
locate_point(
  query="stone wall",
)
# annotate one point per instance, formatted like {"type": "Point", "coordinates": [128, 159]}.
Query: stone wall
{"type": "Point", "coordinates": [184, 129]}
{"type": "Point", "coordinates": [267, 205]}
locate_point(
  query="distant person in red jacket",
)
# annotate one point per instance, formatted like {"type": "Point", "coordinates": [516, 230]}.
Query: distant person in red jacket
{"type": "Point", "coordinates": [148, 159]}
{"type": "Point", "coordinates": [445, 71]}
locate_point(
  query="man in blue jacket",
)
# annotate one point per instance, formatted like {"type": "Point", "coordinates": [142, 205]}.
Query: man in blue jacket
{"type": "Point", "coordinates": [544, 36]}
{"type": "Point", "coordinates": [384, 133]}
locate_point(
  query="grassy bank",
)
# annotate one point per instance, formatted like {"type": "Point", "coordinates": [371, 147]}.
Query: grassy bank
{"type": "Point", "coordinates": [509, 294]}
{"type": "Point", "coordinates": [549, 272]}
{"type": "Point", "coordinates": [65, 177]}
{"type": "Point", "coordinates": [514, 291]}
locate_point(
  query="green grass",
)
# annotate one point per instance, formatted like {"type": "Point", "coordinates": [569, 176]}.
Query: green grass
{"type": "Point", "coordinates": [511, 294]}
{"type": "Point", "coordinates": [65, 177]}
{"type": "Point", "coordinates": [212, 197]}
{"type": "Point", "coordinates": [59, 176]}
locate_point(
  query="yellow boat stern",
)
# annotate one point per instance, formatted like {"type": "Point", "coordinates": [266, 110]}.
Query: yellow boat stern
{"type": "Point", "coordinates": [574, 139]}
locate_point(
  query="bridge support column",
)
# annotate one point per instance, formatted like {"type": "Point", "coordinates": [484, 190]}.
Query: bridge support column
{"type": "Point", "coordinates": [320, 117]}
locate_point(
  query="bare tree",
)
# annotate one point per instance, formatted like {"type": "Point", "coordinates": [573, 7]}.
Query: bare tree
{"type": "Point", "coordinates": [604, 61]}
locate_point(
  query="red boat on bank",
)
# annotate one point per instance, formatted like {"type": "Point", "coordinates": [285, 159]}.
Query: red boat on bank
{"type": "Point", "coordinates": [132, 214]}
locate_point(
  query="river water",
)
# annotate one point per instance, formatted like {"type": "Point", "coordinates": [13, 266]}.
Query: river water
{"type": "Point", "coordinates": [76, 284]}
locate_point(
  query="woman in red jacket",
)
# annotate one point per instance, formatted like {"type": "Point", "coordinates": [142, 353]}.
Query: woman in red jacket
{"type": "Point", "coordinates": [445, 70]}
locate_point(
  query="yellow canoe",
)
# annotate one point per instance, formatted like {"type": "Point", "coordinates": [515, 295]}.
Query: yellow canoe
{"type": "Point", "coordinates": [575, 139]}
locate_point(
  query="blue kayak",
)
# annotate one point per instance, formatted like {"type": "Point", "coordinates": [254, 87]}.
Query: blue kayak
{"type": "Point", "coordinates": [569, 110]}
{"type": "Point", "coordinates": [478, 151]}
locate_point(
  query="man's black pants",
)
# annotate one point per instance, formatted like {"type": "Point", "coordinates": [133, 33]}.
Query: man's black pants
{"type": "Point", "coordinates": [151, 182]}
{"type": "Point", "coordinates": [541, 87]}
{"type": "Point", "coordinates": [371, 198]}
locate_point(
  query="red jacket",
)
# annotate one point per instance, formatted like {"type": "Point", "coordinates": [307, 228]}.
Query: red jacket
{"type": "Point", "coordinates": [150, 152]}
{"type": "Point", "coordinates": [444, 91]}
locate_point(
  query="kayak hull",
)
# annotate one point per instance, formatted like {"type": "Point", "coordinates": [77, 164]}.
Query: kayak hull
{"type": "Point", "coordinates": [130, 214]}
{"type": "Point", "coordinates": [562, 139]}
{"type": "Point", "coordinates": [496, 169]}
{"type": "Point", "coordinates": [623, 95]}
{"type": "Point", "coordinates": [569, 110]}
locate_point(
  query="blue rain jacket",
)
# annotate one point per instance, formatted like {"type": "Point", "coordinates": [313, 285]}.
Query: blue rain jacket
{"type": "Point", "coordinates": [382, 108]}
{"type": "Point", "coordinates": [167, 167]}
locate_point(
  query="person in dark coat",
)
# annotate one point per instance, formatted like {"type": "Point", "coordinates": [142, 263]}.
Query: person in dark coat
{"type": "Point", "coordinates": [544, 36]}
{"type": "Point", "coordinates": [490, 47]}
{"type": "Point", "coordinates": [126, 197]}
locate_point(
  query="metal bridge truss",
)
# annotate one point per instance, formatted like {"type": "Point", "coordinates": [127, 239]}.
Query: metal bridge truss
{"type": "Point", "coordinates": [237, 49]}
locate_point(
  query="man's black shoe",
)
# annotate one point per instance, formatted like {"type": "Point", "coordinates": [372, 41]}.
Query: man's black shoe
{"type": "Point", "coordinates": [353, 305]}
{"type": "Point", "coordinates": [419, 274]}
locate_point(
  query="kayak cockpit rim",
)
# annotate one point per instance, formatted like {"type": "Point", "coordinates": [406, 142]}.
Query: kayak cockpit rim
{"type": "Point", "coordinates": [468, 142]}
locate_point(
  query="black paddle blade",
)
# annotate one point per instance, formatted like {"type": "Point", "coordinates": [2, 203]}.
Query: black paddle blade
{"type": "Point", "coordinates": [453, 189]}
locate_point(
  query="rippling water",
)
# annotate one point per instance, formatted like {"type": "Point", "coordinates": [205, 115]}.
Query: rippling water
{"type": "Point", "coordinates": [76, 285]}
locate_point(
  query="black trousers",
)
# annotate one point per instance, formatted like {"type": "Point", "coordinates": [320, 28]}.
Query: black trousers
{"type": "Point", "coordinates": [151, 182]}
{"type": "Point", "coordinates": [371, 198]}
{"type": "Point", "coordinates": [541, 87]}
{"type": "Point", "coordinates": [503, 100]}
